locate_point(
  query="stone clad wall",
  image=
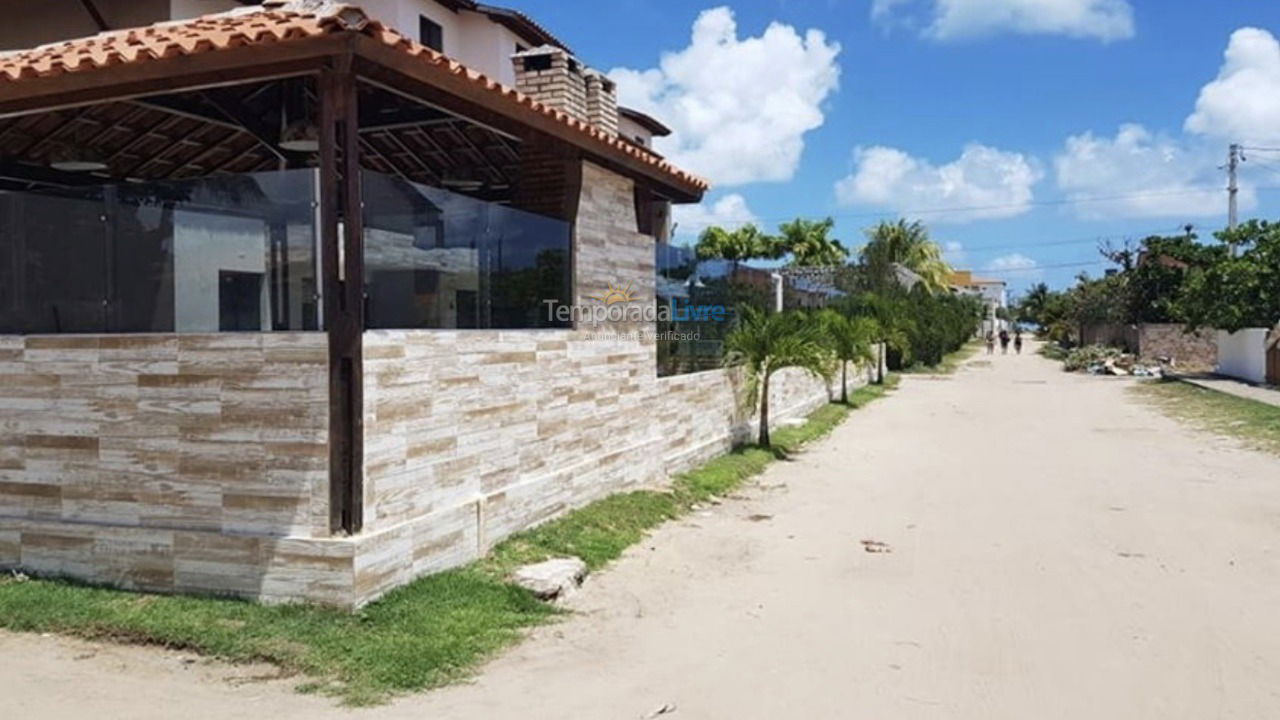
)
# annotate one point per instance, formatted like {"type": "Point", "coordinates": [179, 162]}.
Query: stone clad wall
{"type": "Point", "coordinates": [167, 462]}
{"type": "Point", "coordinates": [224, 433]}
{"type": "Point", "coordinates": [473, 435]}
{"type": "Point", "coordinates": [1196, 351]}
{"type": "Point", "coordinates": [702, 415]}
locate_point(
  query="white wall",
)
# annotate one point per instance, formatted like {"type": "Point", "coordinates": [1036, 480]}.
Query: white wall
{"type": "Point", "coordinates": [183, 9]}
{"type": "Point", "coordinates": [631, 129]}
{"type": "Point", "coordinates": [470, 38]}
{"type": "Point", "coordinates": [1243, 354]}
{"type": "Point", "coordinates": [204, 245]}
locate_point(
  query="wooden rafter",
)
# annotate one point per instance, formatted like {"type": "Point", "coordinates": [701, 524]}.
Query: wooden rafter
{"type": "Point", "coordinates": [94, 13]}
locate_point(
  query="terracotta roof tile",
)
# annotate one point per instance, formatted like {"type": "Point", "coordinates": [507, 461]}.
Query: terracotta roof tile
{"type": "Point", "coordinates": [256, 25]}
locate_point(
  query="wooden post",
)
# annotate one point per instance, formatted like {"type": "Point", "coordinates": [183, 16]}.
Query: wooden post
{"type": "Point", "coordinates": [343, 276]}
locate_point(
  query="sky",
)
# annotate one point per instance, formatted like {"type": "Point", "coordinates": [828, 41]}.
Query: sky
{"type": "Point", "coordinates": [1023, 133]}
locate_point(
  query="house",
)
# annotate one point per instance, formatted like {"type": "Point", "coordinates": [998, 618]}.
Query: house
{"type": "Point", "coordinates": [281, 294]}
{"type": "Point", "coordinates": [993, 293]}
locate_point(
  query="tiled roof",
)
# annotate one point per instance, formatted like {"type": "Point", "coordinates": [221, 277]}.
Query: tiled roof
{"type": "Point", "coordinates": [281, 23]}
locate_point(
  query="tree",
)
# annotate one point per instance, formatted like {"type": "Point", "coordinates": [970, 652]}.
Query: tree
{"type": "Point", "coordinates": [736, 246]}
{"type": "Point", "coordinates": [1033, 306]}
{"type": "Point", "coordinates": [764, 343]}
{"type": "Point", "coordinates": [1155, 272]}
{"type": "Point", "coordinates": [809, 245]}
{"type": "Point", "coordinates": [850, 340]}
{"type": "Point", "coordinates": [906, 244]}
{"type": "Point", "coordinates": [1096, 301]}
{"type": "Point", "coordinates": [1234, 293]}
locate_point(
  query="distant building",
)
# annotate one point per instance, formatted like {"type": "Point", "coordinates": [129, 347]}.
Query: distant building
{"type": "Point", "coordinates": [994, 294]}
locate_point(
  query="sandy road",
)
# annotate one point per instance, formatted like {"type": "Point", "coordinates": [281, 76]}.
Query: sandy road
{"type": "Point", "coordinates": [1055, 551]}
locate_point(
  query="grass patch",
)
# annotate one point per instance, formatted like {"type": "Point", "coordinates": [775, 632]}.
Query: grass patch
{"type": "Point", "coordinates": [1256, 424]}
{"type": "Point", "coordinates": [431, 632]}
{"type": "Point", "coordinates": [950, 362]}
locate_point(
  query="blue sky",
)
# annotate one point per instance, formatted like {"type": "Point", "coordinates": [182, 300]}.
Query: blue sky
{"type": "Point", "coordinates": [1020, 131]}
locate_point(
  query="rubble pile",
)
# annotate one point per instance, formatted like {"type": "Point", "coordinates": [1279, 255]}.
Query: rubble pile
{"type": "Point", "coordinates": [1103, 360]}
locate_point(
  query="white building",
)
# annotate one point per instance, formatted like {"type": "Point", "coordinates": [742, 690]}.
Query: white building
{"type": "Point", "coordinates": [994, 294]}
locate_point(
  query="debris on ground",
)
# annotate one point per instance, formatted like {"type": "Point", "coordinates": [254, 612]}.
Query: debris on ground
{"type": "Point", "coordinates": [1103, 360]}
{"type": "Point", "coordinates": [666, 709]}
{"type": "Point", "coordinates": [552, 579]}
{"type": "Point", "coordinates": [875, 546]}
{"type": "Point", "coordinates": [759, 517]}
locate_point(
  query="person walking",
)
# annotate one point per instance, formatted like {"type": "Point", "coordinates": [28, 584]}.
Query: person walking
{"type": "Point", "coordinates": [991, 342]}
{"type": "Point", "coordinates": [1017, 341]}
{"type": "Point", "coordinates": [1004, 342]}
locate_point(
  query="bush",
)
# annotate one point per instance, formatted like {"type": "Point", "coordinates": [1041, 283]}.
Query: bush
{"type": "Point", "coordinates": [1082, 358]}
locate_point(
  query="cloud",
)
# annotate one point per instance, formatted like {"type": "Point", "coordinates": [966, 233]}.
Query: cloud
{"type": "Point", "coordinates": [1105, 20]}
{"type": "Point", "coordinates": [1016, 264]}
{"type": "Point", "coordinates": [739, 108]}
{"type": "Point", "coordinates": [983, 183]}
{"type": "Point", "coordinates": [1158, 176]}
{"type": "Point", "coordinates": [954, 253]}
{"type": "Point", "coordinates": [730, 211]}
{"type": "Point", "coordinates": [1243, 103]}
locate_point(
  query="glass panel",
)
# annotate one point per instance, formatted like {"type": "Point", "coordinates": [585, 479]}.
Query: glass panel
{"type": "Point", "coordinates": [437, 259]}
{"type": "Point", "coordinates": [690, 331]}
{"type": "Point", "coordinates": [58, 258]}
{"type": "Point", "coordinates": [232, 252]}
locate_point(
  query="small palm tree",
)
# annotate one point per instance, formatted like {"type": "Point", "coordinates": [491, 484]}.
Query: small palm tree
{"type": "Point", "coordinates": [809, 244]}
{"type": "Point", "coordinates": [766, 343]}
{"type": "Point", "coordinates": [850, 340]}
{"type": "Point", "coordinates": [906, 244]}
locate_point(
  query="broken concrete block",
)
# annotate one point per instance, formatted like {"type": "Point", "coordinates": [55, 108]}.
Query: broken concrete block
{"type": "Point", "coordinates": [552, 579]}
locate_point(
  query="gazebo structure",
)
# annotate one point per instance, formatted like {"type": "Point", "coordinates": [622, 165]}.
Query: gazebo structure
{"type": "Point", "coordinates": [282, 307]}
{"type": "Point", "coordinates": [274, 305]}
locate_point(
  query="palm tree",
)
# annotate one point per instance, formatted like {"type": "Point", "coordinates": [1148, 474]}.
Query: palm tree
{"type": "Point", "coordinates": [906, 244]}
{"type": "Point", "coordinates": [744, 243]}
{"type": "Point", "coordinates": [765, 343]}
{"type": "Point", "coordinates": [809, 244]}
{"type": "Point", "coordinates": [850, 340]}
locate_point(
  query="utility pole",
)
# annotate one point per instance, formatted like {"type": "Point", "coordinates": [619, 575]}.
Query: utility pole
{"type": "Point", "coordinates": [1234, 158]}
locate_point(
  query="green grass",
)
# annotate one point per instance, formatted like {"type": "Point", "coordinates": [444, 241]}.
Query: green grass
{"type": "Point", "coordinates": [1254, 423]}
{"type": "Point", "coordinates": [950, 362]}
{"type": "Point", "coordinates": [431, 632]}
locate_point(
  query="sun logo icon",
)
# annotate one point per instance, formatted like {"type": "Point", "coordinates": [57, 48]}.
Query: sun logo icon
{"type": "Point", "coordinates": [615, 295]}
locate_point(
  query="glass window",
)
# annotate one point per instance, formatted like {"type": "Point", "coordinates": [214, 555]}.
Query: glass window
{"type": "Point", "coordinates": [58, 260]}
{"type": "Point", "coordinates": [438, 259]}
{"type": "Point", "coordinates": [430, 33]}
{"type": "Point", "coordinates": [162, 257]}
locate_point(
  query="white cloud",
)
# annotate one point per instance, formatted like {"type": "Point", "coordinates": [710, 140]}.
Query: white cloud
{"type": "Point", "coordinates": [1243, 103]}
{"type": "Point", "coordinates": [730, 212]}
{"type": "Point", "coordinates": [1016, 264]}
{"type": "Point", "coordinates": [1156, 175]}
{"type": "Point", "coordinates": [954, 253]}
{"type": "Point", "coordinates": [983, 183]}
{"type": "Point", "coordinates": [739, 108]}
{"type": "Point", "coordinates": [1104, 20]}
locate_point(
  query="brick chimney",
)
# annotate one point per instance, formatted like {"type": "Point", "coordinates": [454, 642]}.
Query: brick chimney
{"type": "Point", "coordinates": [553, 77]}
{"type": "Point", "coordinates": [602, 102]}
